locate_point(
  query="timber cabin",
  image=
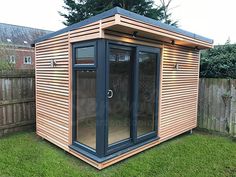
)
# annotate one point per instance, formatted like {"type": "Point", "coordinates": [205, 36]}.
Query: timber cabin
{"type": "Point", "coordinates": [116, 84]}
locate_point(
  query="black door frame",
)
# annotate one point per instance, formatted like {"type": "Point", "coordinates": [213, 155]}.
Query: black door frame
{"type": "Point", "coordinates": [103, 151]}
{"type": "Point", "coordinates": [110, 149]}
{"type": "Point", "coordinates": [154, 133]}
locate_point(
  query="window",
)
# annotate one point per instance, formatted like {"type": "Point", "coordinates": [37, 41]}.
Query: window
{"type": "Point", "coordinates": [85, 56]}
{"type": "Point", "coordinates": [84, 60]}
{"type": "Point", "coordinates": [115, 97]}
{"type": "Point", "coordinates": [12, 59]}
{"type": "Point", "coordinates": [27, 60]}
{"type": "Point", "coordinates": [9, 40]}
{"type": "Point", "coordinates": [86, 108]}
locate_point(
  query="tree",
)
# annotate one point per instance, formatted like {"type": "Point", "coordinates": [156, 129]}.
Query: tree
{"type": "Point", "coordinates": [228, 41]}
{"type": "Point", "coordinates": [5, 52]}
{"type": "Point", "coordinates": [165, 6]}
{"type": "Point", "coordinates": [78, 10]}
{"type": "Point", "coordinates": [5, 65]}
{"type": "Point", "coordinates": [219, 62]}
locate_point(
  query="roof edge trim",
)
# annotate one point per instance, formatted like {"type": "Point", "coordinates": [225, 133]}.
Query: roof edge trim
{"type": "Point", "coordinates": [132, 15]}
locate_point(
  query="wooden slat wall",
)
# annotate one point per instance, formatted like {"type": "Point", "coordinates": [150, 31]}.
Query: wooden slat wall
{"type": "Point", "coordinates": [179, 91]}
{"type": "Point", "coordinates": [52, 91]}
{"type": "Point", "coordinates": [87, 32]}
{"type": "Point", "coordinates": [178, 99]}
{"type": "Point", "coordinates": [107, 22]}
{"type": "Point", "coordinates": [91, 31]}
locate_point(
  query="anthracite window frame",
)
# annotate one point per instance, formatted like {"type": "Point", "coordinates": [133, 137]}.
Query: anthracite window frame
{"type": "Point", "coordinates": [84, 45]}
{"type": "Point", "coordinates": [110, 149]}
{"type": "Point", "coordinates": [155, 51]}
{"type": "Point", "coordinates": [104, 151]}
{"type": "Point", "coordinates": [81, 67]}
{"type": "Point", "coordinates": [133, 140]}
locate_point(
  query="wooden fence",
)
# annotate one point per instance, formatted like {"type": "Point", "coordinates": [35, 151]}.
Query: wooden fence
{"type": "Point", "coordinates": [217, 105]}
{"type": "Point", "coordinates": [17, 101]}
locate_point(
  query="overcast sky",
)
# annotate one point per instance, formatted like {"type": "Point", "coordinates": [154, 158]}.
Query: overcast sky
{"type": "Point", "coordinates": [211, 18]}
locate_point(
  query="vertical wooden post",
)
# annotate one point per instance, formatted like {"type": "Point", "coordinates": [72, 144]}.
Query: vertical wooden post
{"type": "Point", "coordinates": [232, 123]}
{"type": "Point", "coordinates": [70, 89]}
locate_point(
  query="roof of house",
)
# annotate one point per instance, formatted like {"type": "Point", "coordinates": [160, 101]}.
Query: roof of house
{"type": "Point", "coordinates": [19, 35]}
{"type": "Point", "coordinates": [118, 10]}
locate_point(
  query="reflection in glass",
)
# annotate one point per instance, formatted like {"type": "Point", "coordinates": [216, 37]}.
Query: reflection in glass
{"type": "Point", "coordinates": [146, 103]}
{"type": "Point", "coordinates": [119, 104]}
{"type": "Point", "coordinates": [86, 108]}
{"type": "Point", "coordinates": [84, 56]}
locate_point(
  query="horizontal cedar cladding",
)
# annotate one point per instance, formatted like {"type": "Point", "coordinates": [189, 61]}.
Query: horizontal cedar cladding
{"type": "Point", "coordinates": [91, 31]}
{"type": "Point", "coordinates": [52, 93]}
{"type": "Point", "coordinates": [179, 91]}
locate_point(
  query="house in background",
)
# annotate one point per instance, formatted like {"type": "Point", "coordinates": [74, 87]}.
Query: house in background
{"type": "Point", "coordinates": [15, 45]}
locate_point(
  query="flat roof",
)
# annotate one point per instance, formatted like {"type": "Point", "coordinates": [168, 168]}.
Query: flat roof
{"type": "Point", "coordinates": [132, 15]}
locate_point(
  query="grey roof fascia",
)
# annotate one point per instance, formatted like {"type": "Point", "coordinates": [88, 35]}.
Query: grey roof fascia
{"type": "Point", "coordinates": [75, 26]}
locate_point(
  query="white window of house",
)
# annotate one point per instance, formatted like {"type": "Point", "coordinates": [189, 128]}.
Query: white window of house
{"type": "Point", "coordinates": [27, 60]}
{"type": "Point", "coordinates": [9, 40]}
{"type": "Point", "coordinates": [12, 59]}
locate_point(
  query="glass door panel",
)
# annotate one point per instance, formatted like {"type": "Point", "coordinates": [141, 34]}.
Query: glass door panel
{"type": "Point", "coordinates": [147, 93]}
{"type": "Point", "coordinates": [86, 108]}
{"type": "Point", "coordinates": [132, 85]}
{"type": "Point", "coordinates": [119, 94]}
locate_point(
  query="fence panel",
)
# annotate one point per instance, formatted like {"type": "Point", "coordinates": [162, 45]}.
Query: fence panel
{"type": "Point", "coordinates": [17, 100]}
{"type": "Point", "coordinates": [217, 105]}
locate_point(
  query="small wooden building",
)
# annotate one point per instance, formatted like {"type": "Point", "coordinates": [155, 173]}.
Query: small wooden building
{"type": "Point", "coordinates": [116, 84]}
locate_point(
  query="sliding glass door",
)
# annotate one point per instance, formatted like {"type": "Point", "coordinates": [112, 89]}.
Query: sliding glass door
{"type": "Point", "coordinates": [132, 91]}
{"type": "Point", "coordinates": [119, 93]}
{"type": "Point", "coordinates": [148, 74]}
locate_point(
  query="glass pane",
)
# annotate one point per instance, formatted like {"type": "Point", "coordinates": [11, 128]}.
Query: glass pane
{"type": "Point", "coordinates": [119, 104]}
{"type": "Point", "coordinates": [146, 103]}
{"type": "Point", "coordinates": [86, 108]}
{"type": "Point", "coordinates": [85, 56]}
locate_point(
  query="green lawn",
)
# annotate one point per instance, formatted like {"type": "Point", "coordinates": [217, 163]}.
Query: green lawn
{"type": "Point", "coordinates": [24, 154]}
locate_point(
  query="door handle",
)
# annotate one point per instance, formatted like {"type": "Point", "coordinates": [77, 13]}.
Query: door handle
{"type": "Point", "coordinates": [110, 94]}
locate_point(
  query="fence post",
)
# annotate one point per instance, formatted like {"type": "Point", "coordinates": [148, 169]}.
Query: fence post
{"type": "Point", "coordinates": [233, 108]}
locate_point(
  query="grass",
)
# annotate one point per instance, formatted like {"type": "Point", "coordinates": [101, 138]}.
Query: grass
{"type": "Point", "coordinates": [25, 154]}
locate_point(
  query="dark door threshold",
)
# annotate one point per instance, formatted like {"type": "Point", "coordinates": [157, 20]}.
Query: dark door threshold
{"type": "Point", "coordinates": [116, 154]}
